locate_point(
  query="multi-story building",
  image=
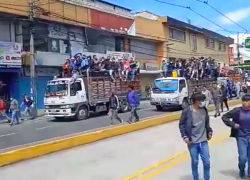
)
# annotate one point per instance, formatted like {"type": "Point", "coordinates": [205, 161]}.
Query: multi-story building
{"type": "Point", "coordinates": [61, 29]}
{"type": "Point", "coordinates": [187, 40]}
{"type": "Point", "coordinates": [184, 40]}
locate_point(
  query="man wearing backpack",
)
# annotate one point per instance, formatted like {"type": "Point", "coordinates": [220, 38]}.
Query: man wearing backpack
{"type": "Point", "coordinates": [28, 106]}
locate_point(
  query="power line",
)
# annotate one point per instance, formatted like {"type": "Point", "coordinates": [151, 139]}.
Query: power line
{"type": "Point", "coordinates": [189, 8]}
{"type": "Point", "coordinates": [206, 2]}
{"type": "Point", "coordinates": [186, 53]}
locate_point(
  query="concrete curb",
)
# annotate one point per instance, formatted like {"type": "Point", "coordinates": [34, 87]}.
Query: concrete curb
{"type": "Point", "coordinates": [29, 152]}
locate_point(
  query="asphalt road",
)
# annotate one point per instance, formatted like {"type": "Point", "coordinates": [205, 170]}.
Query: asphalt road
{"type": "Point", "coordinates": [44, 129]}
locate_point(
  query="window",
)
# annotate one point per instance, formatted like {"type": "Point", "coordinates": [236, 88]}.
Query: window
{"type": "Point", "coordinates": [193, 42]}
{"type": "Point", "coordinates": [222, 46]}
{"type": "Point", "coordinates": [210, 43]}
{"type": "Point", "coordinates": [78, 86]}
{"type": "Point", "coordinates": [182, 84]}
{"type": "Point", "coordinates": [177, 34]}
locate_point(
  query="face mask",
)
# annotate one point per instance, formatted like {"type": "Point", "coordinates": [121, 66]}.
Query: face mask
{"type": "Point", "coordinates": [202, 104]}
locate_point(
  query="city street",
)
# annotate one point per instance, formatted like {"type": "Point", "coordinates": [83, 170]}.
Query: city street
{"type": "Point", "coordinates": [45, 128]}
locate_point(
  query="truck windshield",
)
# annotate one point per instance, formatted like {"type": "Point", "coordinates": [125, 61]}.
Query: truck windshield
{"type": "Point", "coordinates": [166, 84]}
{"type": "Point", "coordinates": [60, 87]}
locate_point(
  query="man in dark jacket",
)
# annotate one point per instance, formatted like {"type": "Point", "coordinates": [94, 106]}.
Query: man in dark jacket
{"type": "Point", "coordinates": [224, 97]}
{"type": "Point", "coordinates": [196, 131]}
{"type": "Point", "coordinates": [240, 129]}
{"type": "Point", "coordinates": [114, 107]}
{"type": "Point", "coordinates": [134, 102]}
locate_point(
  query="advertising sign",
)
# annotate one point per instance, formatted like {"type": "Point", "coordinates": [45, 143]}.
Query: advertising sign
{"type": "Point", "coordinates": [247, 42]}
{"type": "Point", "coordinates": [231, 56]}
{"type": "Point", "coordinates": [10, 55]}
{"type": "Point", "coordinates": [120, 55]}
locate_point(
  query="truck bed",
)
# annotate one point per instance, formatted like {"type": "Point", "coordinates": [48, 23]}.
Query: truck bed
{"type": "Point", "coordinates": [200, 84]}
{"type": "Point", "coordinates": [100, 88]}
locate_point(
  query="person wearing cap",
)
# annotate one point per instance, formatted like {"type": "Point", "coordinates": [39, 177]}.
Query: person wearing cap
{"type": "Point", "coordinates": [238, 119]}
{"type": "Point", "coordinates": [195, 130]}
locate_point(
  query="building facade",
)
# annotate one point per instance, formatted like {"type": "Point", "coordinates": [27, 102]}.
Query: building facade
{"type": "Point", "coordinates": [150, 27]}
{"type": "Point", "coordinates": [186, 40]}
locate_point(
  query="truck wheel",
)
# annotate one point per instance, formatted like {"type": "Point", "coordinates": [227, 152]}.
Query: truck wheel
{"type": "Point", "coordinates": [184, 104]}
{"type": "Point", "coordinates": [159, 108]}
{"type": "Point", "coordinates": [82, 113]}
{"type": "Point", "coordinates": [124, 106]}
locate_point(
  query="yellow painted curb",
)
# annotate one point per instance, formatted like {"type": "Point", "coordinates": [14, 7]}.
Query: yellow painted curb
{"type": "Point", "coordinates": [29, 152]}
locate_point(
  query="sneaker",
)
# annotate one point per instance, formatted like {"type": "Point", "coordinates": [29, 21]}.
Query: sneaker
{"type": "Point", "coordinates": [243, 175]}
{"type": "Point", "coordinates": [121, 121]}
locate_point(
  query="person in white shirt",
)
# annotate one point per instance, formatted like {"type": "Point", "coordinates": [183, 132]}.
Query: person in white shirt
{"type": "Point", "coordinates": [208, 96]}
{"type": "Point", "coordinates": [238, 88]}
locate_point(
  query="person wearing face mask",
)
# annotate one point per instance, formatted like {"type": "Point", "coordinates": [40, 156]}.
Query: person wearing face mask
{"type": "Point", "coordinates": [238, 119]}
{"type": "Point", "coordinates": [15, 111]}
{"type": "Point", "coordinates": [195, 130]}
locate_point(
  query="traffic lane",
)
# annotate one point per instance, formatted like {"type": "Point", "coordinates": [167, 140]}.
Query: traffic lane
{"type": "Point", "coordinates": [129, 153]}
{"type": "Point", "coordinates": [38, 121]}
{"type": "Point", "coordinates": [97, 161]}
{"type": "Point", "coordinates": [224, 162]}
{"type": "Point", "coordinates": [30, 133]}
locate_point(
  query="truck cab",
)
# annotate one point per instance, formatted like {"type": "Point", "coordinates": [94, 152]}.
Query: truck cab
{"type": "Point", "coordinates": [169, 92]}
{"type": "Point", "coordinates": [65, 98]}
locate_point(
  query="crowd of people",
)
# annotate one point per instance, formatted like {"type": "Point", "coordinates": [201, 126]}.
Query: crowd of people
{"type": "Point", "coordinates": [194, 68]}
{"type": "Point", "coordinates": [123, 68]}
{"type": "Point", "coordinates": [14, 108]}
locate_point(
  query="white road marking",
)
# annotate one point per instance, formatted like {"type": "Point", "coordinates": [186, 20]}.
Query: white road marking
{"type": "Point", "coordinates": [41, 128]}
{"type": "Point", "coordinates": [4, 135]}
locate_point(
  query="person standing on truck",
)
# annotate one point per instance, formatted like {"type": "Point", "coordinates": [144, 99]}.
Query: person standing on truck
{"type": "Point", "coordinates": [216, 94]}
{"type": "Point", "coordinates": [134, 102]}
{"type": "Point", "coordinates": [208, 96]}
{"type": "Point", "coordinates": [224, 97]}
{"type": "Point", "coordinates": [195, 130]}
{"type": "Point", "coordinates": [114, 107]}
{"type": "Point", "coordinates": [238, 120]}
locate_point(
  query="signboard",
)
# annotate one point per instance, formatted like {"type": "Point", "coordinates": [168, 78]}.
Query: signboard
{"type": "Point", "coordinates": [151, 66]}
{"type": "Point", "coordinates": [120, 55]}
{"type": "Point", "coordinates": [247, 42]}
{"type": "Point", "coordinates": [43, 71]}
{"type": "Point", "coordinates": [231, 55]}
{"type": "Point", "coordinates": [113, 23]}
{"type": "Point", "coordinates": [10, 55]}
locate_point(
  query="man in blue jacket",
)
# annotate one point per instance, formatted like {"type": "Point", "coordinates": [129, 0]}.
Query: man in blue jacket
{"type": "Point", "coordinates": [196, 131]}
{"type": "Point", "coordinates": [134, 102]}
{"type": "Point", "coordinates": [238, 119]}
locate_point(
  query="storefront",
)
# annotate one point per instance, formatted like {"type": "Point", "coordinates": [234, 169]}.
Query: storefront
{"type": "Point", "coordinates": [148, 73]}
{"type": "Point", "coordinates": [10, 69]}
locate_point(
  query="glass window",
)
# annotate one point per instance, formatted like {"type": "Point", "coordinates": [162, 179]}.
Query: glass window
{"type": "Point", "coordinates": [166, 84]}
{"type": "Point", "coordinates": [193, 42]}
{"type": "Point", "coordinates": [78, 86]}
{"type": "Point", "coordinates": [209, 43]}
{"type": "Point", "coordinates": [222, 46]}
{"type": "Point", "coordinates": [177, 34]}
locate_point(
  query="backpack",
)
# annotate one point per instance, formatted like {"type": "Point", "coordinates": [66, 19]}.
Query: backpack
{"type": "Point", "coordinates": [2, 105]}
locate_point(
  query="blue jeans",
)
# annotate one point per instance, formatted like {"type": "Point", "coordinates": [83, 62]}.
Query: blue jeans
{"type": "Point", "coordinates": [243, 145]}
{"type": "Point", "coordinates": [15, 117]}
{"type": "Point", "coordinates": [201, 149]}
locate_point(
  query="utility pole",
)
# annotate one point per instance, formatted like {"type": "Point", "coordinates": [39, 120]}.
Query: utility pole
{"type": "Point", "coordinates": [238, 47]}
{"type": "Point", "coordinates": [33, 93]}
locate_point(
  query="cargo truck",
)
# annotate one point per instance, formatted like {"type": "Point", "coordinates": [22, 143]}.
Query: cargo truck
{"type": "Point", "coordinates": [77, 98]}
{"type": "Point", "coordinates": [176, 91]}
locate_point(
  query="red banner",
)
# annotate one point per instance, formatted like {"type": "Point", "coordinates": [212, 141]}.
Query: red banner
{"type": "Point", "coordinates": [231, 55]}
